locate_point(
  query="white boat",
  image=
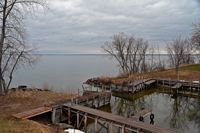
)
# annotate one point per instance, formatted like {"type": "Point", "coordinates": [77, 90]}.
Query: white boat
{"type": "Point", "coordinates": [73, 131]}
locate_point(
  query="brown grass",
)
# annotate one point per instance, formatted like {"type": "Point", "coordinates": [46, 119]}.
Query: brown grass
{"type": "Point", "coordinates": [106, 79]}
{"type": "Point", "coordinates": [19, 101]}
{"type": "Point", "coordinates": [186, 72]}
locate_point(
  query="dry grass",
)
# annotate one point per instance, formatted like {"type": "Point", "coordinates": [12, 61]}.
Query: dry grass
{"type": "Point", "coordinates": [19, 101]}
{"type": "Point", "coordinates": [45, 87]}
{"type": "Point", "coordinates": [186, 72]}
{"type": "Point", "coordinates": [106, 79]}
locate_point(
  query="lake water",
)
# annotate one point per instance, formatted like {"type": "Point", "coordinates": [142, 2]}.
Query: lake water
{"type": "Point", "coordinates": [176, 111]}
{"type": "Point", "coordinates": [62, 72]}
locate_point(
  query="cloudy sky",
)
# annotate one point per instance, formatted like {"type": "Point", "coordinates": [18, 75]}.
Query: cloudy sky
{"type": "Point", "coordinates": [82, 26]}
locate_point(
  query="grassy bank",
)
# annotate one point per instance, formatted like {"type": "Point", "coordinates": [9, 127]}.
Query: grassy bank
{"type": "Point", "coordinates": [186, 72]}
{"type": "Point", "coordinates": [20, 101]}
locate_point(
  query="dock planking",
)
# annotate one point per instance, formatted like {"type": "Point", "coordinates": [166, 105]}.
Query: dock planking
{"type": "Point", "coordinates": [176, 86]}
{"type": "Point", "coordinates": [124, 122]}
{"type": "Point", "coordinates": [32, 113]}
{"type": "Point", "coordinates": [142, 113]}
{"type": "Point", "coordinates": [150, 82]}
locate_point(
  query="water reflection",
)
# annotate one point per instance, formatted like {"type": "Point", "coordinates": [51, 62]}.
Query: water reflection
{"type": "Point", "coordinates": [175, 111]}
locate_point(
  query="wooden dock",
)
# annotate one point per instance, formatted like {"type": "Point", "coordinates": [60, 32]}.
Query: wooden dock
{"type": "Point", "coordinates": [92, 99]}
{"type": "Point", "coordinates": [32, 113]}
{"type": "Point", "coordinates": [150, 82]}
{"type": "Point", "coordinates": [133, 86]}
{"type": "Point", "coordinates": [111, 120]}
{"type": "Point", "coordinates": [142, 113]}
{"type": "Point", "coordinates": [176, 86]}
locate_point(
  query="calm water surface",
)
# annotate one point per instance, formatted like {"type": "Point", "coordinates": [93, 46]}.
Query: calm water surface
{"type": "Point", "coordinates": [176, 111]}
{"type": "Point", "coordinates": [63, 72]}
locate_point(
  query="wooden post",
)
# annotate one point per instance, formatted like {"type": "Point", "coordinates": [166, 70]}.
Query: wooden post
{"type": "Point", "coordinates": [69, 116]}
{"type": "Point", "coordinates": [157, 80]}
{"type": "Point", "coordinates": [96, 124]}
{"type": "Point", "coordinates": [99, 101]}
{"type": "Point", "coordinates": [76, 100]}
{"type": "Point", "coordinates": [163, 82]}
{"type": "Point", "coordinates": [61, 114]}
{"type": "Point", "coordinates": [93, 100]}
{"type": "Point", "coordinates": [77, 119]}
{"type": "Point", "coordinates": [83, 88]}
{"type": "Point", "coordinates": [107, 127]}
{"type": "Point", "coordinates": [85, 121]}
{"type": "Point", "coordinates": [53, 115]}
{"type": "Point", "coordinates": [102, 87]}
{"type": "Point", "coordinates": [97, 89]}
{"type": "Point", "coordinates": [182, 84]}
{"type": "Point", "coordinates": [72, 100]}
{"type": "Point", "coordinates": [133, 85]}
{"type": "Point", "coordinates": [123, 131]}
{"type": "Point", "coordinates": [111, 127]}
{"type": "Point", "coordinates": [105, 99]}
{"type": "Point", "coordinates": [45, 102]}
{"type": "Point", "coordinates": [110, 97]}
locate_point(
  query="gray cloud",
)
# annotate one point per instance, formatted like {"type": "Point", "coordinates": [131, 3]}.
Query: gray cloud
{"type": "Point", "coordinates": [82, 26]}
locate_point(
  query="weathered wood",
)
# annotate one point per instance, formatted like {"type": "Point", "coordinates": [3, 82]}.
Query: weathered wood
{"type": "Point", "coordinates": [177, 86]}
{"type": "Point", "coordinates": [102, 126]}
{"type": "Point", "coordinates": [53, 115]}
{"type": "Point", "coordinates": [77, 118]}
{"type": "Point", "coordinates": [85, 121]}
{"type": "Point", "coordinates": [69, 116]}
{"type": "Point", "coordinates": [119, 120]}
{"type": "Point", "coordinates": [96, 125]}
{"type": "Point", "coordinates": [32, 113]}
{"type": "Point", "coordinates": [123, 131]}
{"type": "Point", "coordinates": [142, 113]}
{"type": "Point", "coordinates": [111, 127]}
{"type": "Point", "coordinates": [150, 82]}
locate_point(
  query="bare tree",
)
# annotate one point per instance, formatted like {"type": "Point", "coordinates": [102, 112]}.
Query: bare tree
{"type": "Point", "coordinates": [176, 51]}
{"type": "Point", "coordinates": [195, 38]}
{"type": "Point", "coordinates": [15, 51]}
{"type": "Point", "coordinates": [128, 51]}
{"type": "Point", "coordinates": [118, 49]}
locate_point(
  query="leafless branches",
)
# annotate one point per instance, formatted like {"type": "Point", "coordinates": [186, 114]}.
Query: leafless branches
{"type": "Point", "coordinates": [15, 52]}
{"type": "Point", "coordinates": [179, 52]}
{"type": "Point", "coordinates": [129, 51]}
{"type": "Point", "coordinates": [195, 39]}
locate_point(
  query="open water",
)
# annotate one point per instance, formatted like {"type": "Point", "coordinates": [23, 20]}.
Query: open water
{"type": "Point", "coordinates": [68, 72]}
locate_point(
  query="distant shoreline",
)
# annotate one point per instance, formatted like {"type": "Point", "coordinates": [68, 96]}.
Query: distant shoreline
{"type": "Point", "coordinates": [96, 54]}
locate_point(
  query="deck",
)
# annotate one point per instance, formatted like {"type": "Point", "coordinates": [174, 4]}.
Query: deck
{"type": "Point", "coordinates": [124, 123]}
{"type": "Point", "coordinates": [142, 113]}
{"type": "Point", "coordinates": [31, 113]}
{"type": "Point", "coordinates": [150, 82]}
{"type": "Point", "coordinates": [176, 86]}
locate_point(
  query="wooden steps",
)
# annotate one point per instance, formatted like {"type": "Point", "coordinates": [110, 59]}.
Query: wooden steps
{"type": "Point", "coordinates": [32, 113]}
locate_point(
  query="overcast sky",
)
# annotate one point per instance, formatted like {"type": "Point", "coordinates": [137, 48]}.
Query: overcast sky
{"type": "Point", "coordinates": [82, 26]}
